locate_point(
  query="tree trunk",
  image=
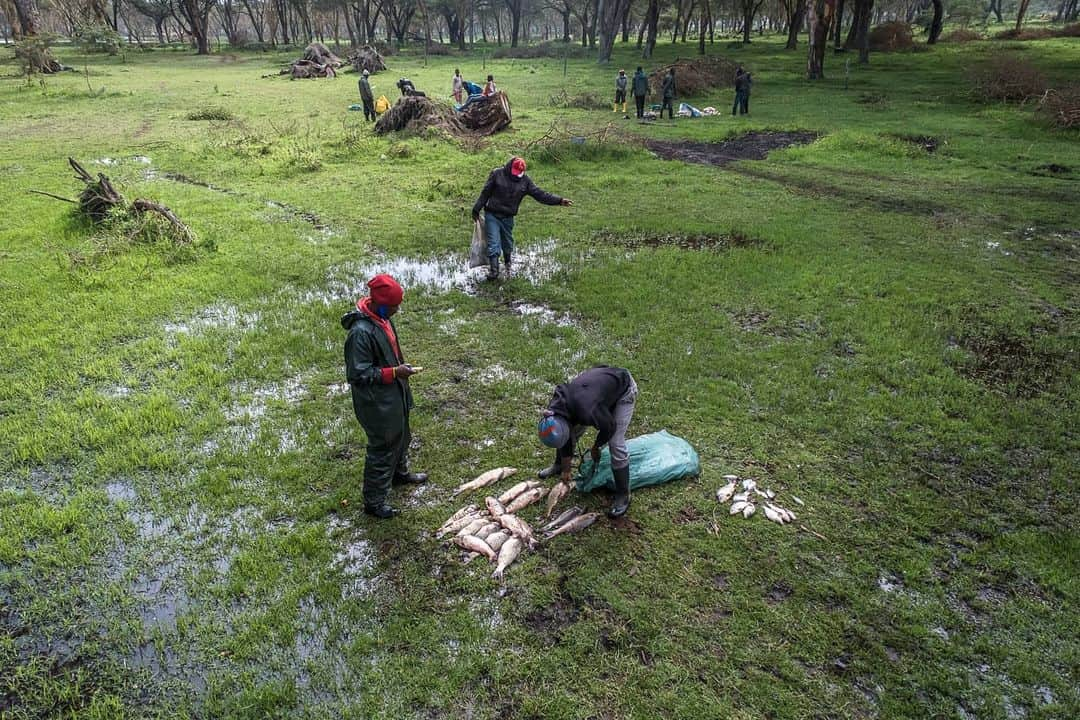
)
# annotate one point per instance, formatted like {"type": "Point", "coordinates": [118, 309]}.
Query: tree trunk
{"type": "Point", "coordinates": [818, 18]}
{"type": "Point", "coordinates": [652, 15]}
{"type": "Point", "coordinates": [1021, 11]}
{"type": "Point", "coordinates": [862, 35]}
{"type": "Point", "coordinates": [839, 25]}
{"type": "Point", "coordinates": [608, 12]}
{"type": "Point", "coordinates": [795, 22]}
{"type": "Point", "coordinates": [935, 24]}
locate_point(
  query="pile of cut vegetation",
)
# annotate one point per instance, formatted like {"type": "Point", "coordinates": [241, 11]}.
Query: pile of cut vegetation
{"type": "Point", "coordinates": [1039, 33]}
{"type": "Point", "coordinates": [693, 77]}
{"type": "Point", "coordinates": [1062, 106]}
{"type": "Point", "coordinates": [418, 114]}
{"type": "Point", "coordinates": [316, 62]}
{"type": "Point", "coordinates": [891, 36]}
{"type": "Point", "coordinates": [1007, 78]}
{"type": "Point", "coordinates": [551, 49]}
{"type": "Point", "coordinates": [367, 58]}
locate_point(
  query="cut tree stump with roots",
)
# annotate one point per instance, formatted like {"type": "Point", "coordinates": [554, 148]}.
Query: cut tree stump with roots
{"type": "Point", "coordinates": [693, 77]}
{"type": "Point", "coordinates": [366, 58]}
{"type": "Point", "coordinates": [415, 114]}
{"type": "Point", "coordinates": [316, 62]}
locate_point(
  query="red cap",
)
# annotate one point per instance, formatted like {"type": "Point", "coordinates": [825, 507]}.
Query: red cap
{"type": "Point", "coordinates": [385, 290]}
{"type": "Point", "coordinates": [517, 167]}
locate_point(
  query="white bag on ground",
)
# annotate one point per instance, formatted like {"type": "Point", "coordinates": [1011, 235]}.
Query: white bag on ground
{"type": "Point", "coordinates": [478, 249]}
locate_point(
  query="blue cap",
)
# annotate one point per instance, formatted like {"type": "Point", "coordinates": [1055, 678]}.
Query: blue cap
{"type": "Point", "coordinates": [553, 431]}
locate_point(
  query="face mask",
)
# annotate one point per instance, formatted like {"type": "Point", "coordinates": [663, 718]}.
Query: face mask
{"type": "Point", "coordinates": [383, 311]}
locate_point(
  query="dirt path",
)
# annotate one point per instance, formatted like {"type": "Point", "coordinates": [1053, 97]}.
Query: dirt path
{"type": "Point", "coordinates": [751, 146]}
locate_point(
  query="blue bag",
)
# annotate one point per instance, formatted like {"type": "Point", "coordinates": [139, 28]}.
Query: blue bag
{"type": "Point", "coordinates": [654, 459]}
{"type": "Point", "coordinates": [471, 88]}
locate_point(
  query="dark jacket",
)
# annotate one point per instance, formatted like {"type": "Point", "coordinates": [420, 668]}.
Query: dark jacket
{"type": "Point", "coordinates": [590, 399]}
{"type": "Point", "coordinates": [668, 87]}
{"type": "Point", "coordinates": [367, 351]}
{"type": "Point", "coordinates": [365, 90]}
{"type": "Point", "coordinates": [620, 82]}
{"type": "Point", "coordinates": [641, 84]}
{"type": "Point", "coordinates": [503, 193]}
{"type": "Point", "coordinates": [743, 82]}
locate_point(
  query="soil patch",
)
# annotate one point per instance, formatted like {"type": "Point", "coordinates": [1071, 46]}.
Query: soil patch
{"type": "Point", "coordinates": [625, 524]}
{"type": "Point", "coordinates": [551, 620]}
{"type": "Point", "coordinates": [1052, 170]}
{"type": "Point", "coordinates": [928, 143]}
{"type": "Point", "coordinates": [687, 515]}
{"type": "Point", "coordinates": [701, 241]}
{"type": "Point", "coordinates": [779, 592]}
{"type": "Point", "coordinates": [1020, 365]}
{"type": "Point", "coordinates": [751, 146]}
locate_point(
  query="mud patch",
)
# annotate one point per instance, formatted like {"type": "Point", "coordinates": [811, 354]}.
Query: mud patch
{"type": "Point", "coordinates": [701, 241]}
{"type": "Point", "coordinates": [625, 524]}
{"type": "Point", "coordinates": [686, 515]}
{"type": "Point", "coordinates": [550, 621]}
{"type": "Point", "coordinates": [1052, 170]}
{"type": "Point", "coordinates": [927, 142]}
{"type": "Point", "coordinates": [778, 593]}
{"type": "Point", "coordinates": [1015, 363]}
{"type": "Point", "coordinates": [751, 146]}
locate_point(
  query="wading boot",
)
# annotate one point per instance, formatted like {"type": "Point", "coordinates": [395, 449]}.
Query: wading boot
{"type": "Point", "coordinates": [506, 261]}
{"type": "Point", "coordinates": [410, 479]}
{"type": "Point", "coordinates": [552, 471]}
{"type": "Point", "coordinates": [620, 503]}
{"type": "Point", "coordinates": [493, 268]}
{"type": "Point", "coordinates": [383, 512]}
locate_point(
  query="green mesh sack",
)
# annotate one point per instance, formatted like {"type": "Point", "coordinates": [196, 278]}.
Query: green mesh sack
{"type": "Point", "coordinates": [654, 459]}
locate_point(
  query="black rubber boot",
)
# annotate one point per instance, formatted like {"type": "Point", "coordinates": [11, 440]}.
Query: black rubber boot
{"type": "Point", "coordinates": [620, 503]}
{"type": "Point", "coordinates": [552, 471]}
{"type": "Point", "coordinates": [506, 261]}
{"type": "Point", "coordinates": [493, 268]}
{"type": "Point", "coordinates": [383, 512]}
{"type": "Point", "coordinates": [411, 479]}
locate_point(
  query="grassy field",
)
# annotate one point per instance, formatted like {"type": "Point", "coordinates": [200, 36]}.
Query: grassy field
{"type": "Point", "coordinates": [888, 333]}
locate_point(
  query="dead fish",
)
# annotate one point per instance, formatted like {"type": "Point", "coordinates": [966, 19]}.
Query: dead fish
{"type": "Point", "coordinates": [557, 493]}
{"type": "Point", "coordinates": [507, 555]}
{"type": "Point", "coordinates": [458, 524]}
{"type": "Point", "coordinates": [790, 514]}
{"type": "Point", "coordinates": [494, 506]}
{"type": "Point", "coordinates": [579, 523]}
{"type": "Point", "coordinates": [488, 529]}
{"type": "Point", "coordinates": [737, 507]}
{"type": "Point", "coordinates": [516, 490]}
{"type": "Point", "coordinates": [797, 500]}
{"type": "Point", "coordinates": [459, 514]}
{"type": "Point", "coordinates": [749, 484]}
{"type": "Point", "coordinates": [476, 545]}
{"type": "Point", "coordinates": [472, 527]}
{"type": "Point", "coordinates": [724, 494]}
{"type": "Point", "coordinates": [485, 479]}
{"type": "Point", "coordinates": [516, 526]}
{"type": "Point", "coordinates": [525, 499]}
{"type": "Point", "coordinates": [773, 515]}
{"type": "Point", "coordinates": [496, 539]}
{"type": "Point", "coordinates": [741, 497]}
{"type": "Point", "coordinates": [748, 510]}
{"type": "Point", "coordinates": [731, 478]}
{"type": "Point", "coordinates": [566, 516]}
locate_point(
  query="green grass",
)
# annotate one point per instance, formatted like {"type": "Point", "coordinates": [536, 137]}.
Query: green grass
{"type": "Point", "coordinates": [894, 341]}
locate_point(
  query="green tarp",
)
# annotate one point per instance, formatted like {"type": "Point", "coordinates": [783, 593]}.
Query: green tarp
{"type": "Point", "coordinates": [654, 459]}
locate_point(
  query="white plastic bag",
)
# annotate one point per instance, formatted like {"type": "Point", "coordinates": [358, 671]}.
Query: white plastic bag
{"type": "Point", "coordinates": [478, 249]}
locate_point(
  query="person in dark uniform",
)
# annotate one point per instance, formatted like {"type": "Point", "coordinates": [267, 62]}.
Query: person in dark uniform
{"type": "Point", "coordinates": [602, 397]}
{"type": "Point", "coordinates": [379, 378]}
{"type": "Point", "coordinates": [667, 91]}
{"type": "Point", "coordinates": [367, 97]}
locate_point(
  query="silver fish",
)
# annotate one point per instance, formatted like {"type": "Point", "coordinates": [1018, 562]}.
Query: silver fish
{"type": "Point", "coordinates": [516, 490]}
{"type": "Point", "coordinates": [557, 493]}
{"type": "Point", "coordinates": [507, 555]}
{"type": "Point", "coordinates": [749, 484]}
{"type": "Point", "coordinates": [496, 539]}
{"type": "Point", "coordinates": [737, 507]}
{"type": "Point", "coordinates": [579, 523]}
{"type": "Point", "coordinates": [566, 516]}
{"type": "Point", "coordinates": [749, 510]}
{"type": "Point", "coordinates": [741, 497]}
{"type": "Point", "coordinates": [472, 527]}
{"type": "Point", "coordinates": [724, 494]}
{"type": "Point", "coordinates": [458, 524]}
{"type": "Point", "coordinates": [494, 506]}
{"type": "Point", "coordinates": [488, 529]}
{"type": "Point", "coordinates": [769, 494]}
{"type": "Point", "coordinates": [476, 545]}
{"type": "Point", "coordinates": [525, 499]}
{"type": "Point", "coordinates": [518, 528]}
{"type": "Point", "coordinates": [468, 509]}
{"type": "Point", "coordinates": [797, 500]}
{"type": "Point", "coordinates": [485, 479]}
{"type": "Point", "coordinates": [731, 478]}
{"type": "Point", "coordinates": [773, 515]}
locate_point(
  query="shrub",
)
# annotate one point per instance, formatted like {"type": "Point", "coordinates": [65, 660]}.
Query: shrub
{"type": "Point", "coordinates": [891, 36]}
{"type": "Point", "coordinates": [962, 36]}
{"type": "Point", "coordinates": [581, 101]}
{"type": "Point", "coordinates": [97, 39]}
{"type": "Point", "coordinates": [549, 49]}
{"type": "Point", "coordinates": [1061, 107]}
{"type": "Point", "coordinates": [1007, 78]}
{"type": "Point", "coordinates": [210, 112]}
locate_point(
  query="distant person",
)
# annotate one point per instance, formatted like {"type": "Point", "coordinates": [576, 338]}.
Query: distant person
{"type": "Point", "coordinates": [620, 92]}
{"type": "Point", "coordinates": [743, 81]}
{"type": "Point", "coordinates": [641, 89]}
{"type": "Point", "coordinates": [602, 397]}
{"type": "Point", "coordinates": [367, 97]}
{"type": "Point", "coordinates": [379, 378]}
{"type": "Point", "coordinates": [457, 86]}
{"type": "Point", "coordinates": [668, 93]}
{"type": "Point", "coordinates": [503, 192]}
{"type": "Point", "coordinates": [489, 87]}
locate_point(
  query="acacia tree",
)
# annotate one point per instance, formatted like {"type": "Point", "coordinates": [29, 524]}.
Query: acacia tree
{"type": "Point", "coordinates": [935, 24]}
{"type": "Point", "coordinates": [195, 16]}
{"type": "Point", "coordinates": [609, 14]}
{"type": "Point", "coordinates": [796, 12]}
{"type": "Point", "coordinates": [819, 14]}
{"type": "Point", "coordinates": [749, 9]}
{"type": "Point", "coordinates": [652, 19]}
{"type": "Point", "coordinates": [37, 55]}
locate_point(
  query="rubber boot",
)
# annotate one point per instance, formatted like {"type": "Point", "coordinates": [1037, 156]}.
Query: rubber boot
{"type": "Point", "coordinates": [624, 108]}
{"type": "Point", "coordinates": [506, 261]}
{"type": "Point", "coordinates": [555, 469]}
{"type": "Point", "coordinates": [493, 268]}
{"type": "Point", "coordinates": [383, 512]}
{"type": "Point", "coordinates": [410, 478]}
{"type": "Point", "coordinates": [614, 107]}
{"type": "Point", "coordinates": [620, 503]}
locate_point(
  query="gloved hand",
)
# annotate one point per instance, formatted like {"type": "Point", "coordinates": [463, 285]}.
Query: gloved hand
{"type": "Point", "coordinates": [594, 453]}
{"type": "Point", "coordinates": [476, 217]}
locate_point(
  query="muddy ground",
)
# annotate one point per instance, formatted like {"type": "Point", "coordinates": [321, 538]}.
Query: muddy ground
{"type": "Point", "coordinates": [751, 146]}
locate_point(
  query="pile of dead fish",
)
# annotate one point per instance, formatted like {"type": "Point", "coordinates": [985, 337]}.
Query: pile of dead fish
{"type": "Point", "coordinates": [495, 530]}
{"type": "Point", "coordinates": [745, 496]}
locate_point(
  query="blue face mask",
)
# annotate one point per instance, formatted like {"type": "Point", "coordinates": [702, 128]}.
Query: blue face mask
{"type": "Point", "coordinates": [383, 311]}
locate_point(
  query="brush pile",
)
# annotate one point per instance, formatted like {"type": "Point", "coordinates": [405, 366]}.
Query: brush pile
{"type": "Point", "coordinates": [697, 76]}
{"type": "Point", "coordinates": [316, 62]}
{"type": "Point", "coordinates": [366, 58]}
{"type": "Point", "coordinates": [418, 114]}
{"type": "Point", "coordinates": [745, 496]}
{"type": "Point", "coordinates": [495, 530]}
{"type": "Point", "coordinates": [890, 37]}
{"type": "Point", "coordinates": [1061, 107]}
{"type": "Point", "coordinates": [1007, 78]}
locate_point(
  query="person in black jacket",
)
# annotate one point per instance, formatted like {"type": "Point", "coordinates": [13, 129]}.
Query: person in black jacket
{"type": "Point", "coordinates": [502, 195]}
{"type": "Point", "coordinates": [379, 377]}
{"type": "Point", "coordinates": [602, 397]}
